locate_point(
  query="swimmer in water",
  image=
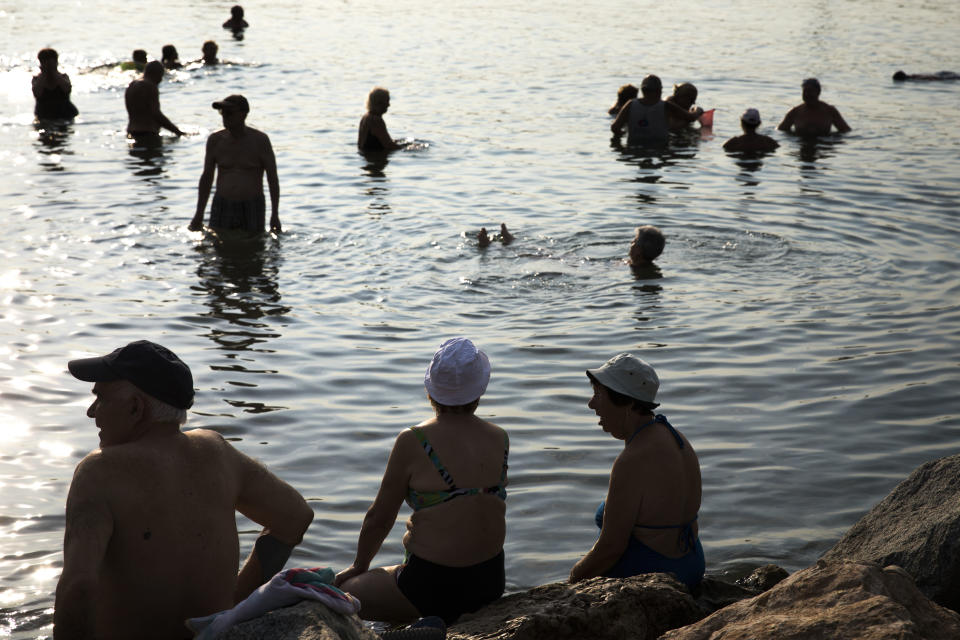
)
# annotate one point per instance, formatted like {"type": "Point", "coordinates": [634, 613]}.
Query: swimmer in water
{"type": "Point", "coordinates": [813, 117]}
{"type": "Point", "coordinates": [51, 89]}
{"type": "Point", "coordinates": [372, 134]}
{"type": "Point", "coordinates": [900, 76]}
{"type": "Point", "coordinates": [684, 96]}
{"type": "Point", "coordinates": [236, 23]}
{"type": "Point", "coordinates": [142, 99]}
{"type": "Point", "coordinates": [170, 58]}
{"type": "Point", "coordinates": [625, 94]}
{"type": "Point", "coordinates": [646, 247]}
{"type": "Point", "coordinates": [209, 50]}
{"type": "Point", "coordinates": [750, 141]}
{"type": "Point", "coordinates": [646, 117]}
{"type": "Point", "coordinates": [137, 62]}
{"type": "Point", "coordinates": [484, 240]}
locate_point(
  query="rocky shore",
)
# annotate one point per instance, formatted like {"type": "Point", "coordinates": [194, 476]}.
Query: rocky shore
{"type": "Point", "coordinates": [895, 574]}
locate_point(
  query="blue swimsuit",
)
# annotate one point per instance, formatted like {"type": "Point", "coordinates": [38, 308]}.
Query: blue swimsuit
{"type": "Point", "coordinates": [639, 558]}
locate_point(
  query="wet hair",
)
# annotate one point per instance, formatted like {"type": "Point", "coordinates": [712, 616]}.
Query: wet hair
{"type": "Point", "coordinates": [139, 55]}
{"type": "Point", "coordinates": [651, 85]}
{"type": "Point", "coordinates": [47, 54]}
{"type": "Point", "coordinates": [651, 242]}
{"type": "Point", "coordinates": [378, 95]}
{"type": "Point", "coordinates": [622, 400]}
{"type": "Point", "coordinates": [900, 75]}
{"type": "Point", "coordinates": [169, 52]}
{"type": "Point", "coordinates": [236, 11]}
{"type": "Point", "coordinates": [627, 92]}
{"type": "Point", "coordinates": [686, 88]}
{"type": "Point", "coordinates": [468, 408]}
{"type": "Point", "coordinates": [210, 43]}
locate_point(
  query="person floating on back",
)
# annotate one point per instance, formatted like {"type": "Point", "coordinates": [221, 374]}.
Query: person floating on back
{"type": "Point", "coordinates": [151, 534]}
{"type": "Point", "coordinates": [372, 134]}
{"type": "Point", "coordinates": [646, 117]}
{"type": "Point", "coordinates": [901, 76]}
{"type": "Point", "coordinates": [51, 89]}
{"type": "Point", "coordinates": [170, 58]}
{"type": "Point", "coordinates": [137, 62]}
{"type": "Point", "coordinates": [236, 23]}
{"type": "Point", "coordinates": [625, 94]}
{"type": "Point", "coordinates": [813, 117]}
{"type": "Point", "coordinates": [142, 99]}
{"type": "Point", "coordinates": [239, 156]}
{"type": "Point", "coordinates": [750, 141]}
{"type": "Point", "coordinates": [646, 247]}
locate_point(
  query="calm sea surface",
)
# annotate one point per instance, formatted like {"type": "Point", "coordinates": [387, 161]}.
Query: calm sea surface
{"type": "Point", "coordinates": [805, 318]}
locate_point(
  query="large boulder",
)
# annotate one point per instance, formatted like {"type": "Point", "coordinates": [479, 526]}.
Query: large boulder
{"type": "Point", "coordinates": [306, 620]}
{"type": "Point", "coordinates": [916, 527]}
{"type": "Point", "coordinates": [853, 601]}
{"type": "Point", "coordinates": [641, 607]}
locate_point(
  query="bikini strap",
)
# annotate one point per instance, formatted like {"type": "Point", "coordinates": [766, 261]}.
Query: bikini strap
{"type": "Point", "coordinates": [676, 434]}
{"type": "Point", "coordinates": [432, 454]}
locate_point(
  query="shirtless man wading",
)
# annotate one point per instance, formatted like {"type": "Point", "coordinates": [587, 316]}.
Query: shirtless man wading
{"type": "Point", "coordinates": [813, 117]}
{"type": "Point", "coordinates": [151, 536]}
{"type": "Point", "coordinates": [142, 99]}
{"type": "Point", "coordinates": [239, 155]}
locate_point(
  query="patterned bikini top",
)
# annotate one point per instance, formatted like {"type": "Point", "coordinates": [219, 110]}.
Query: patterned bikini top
{"type": "Point", "coordinates": [423, 499]}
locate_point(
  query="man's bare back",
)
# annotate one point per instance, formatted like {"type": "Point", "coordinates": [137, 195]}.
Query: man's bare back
{"type": "Point", "coordinates": [142, 100]}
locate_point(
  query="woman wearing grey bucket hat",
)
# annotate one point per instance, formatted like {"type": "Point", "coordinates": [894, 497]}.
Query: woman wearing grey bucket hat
{"type": "Point", "coordinates": [648, 522]}
{"type": "Point", "coordinates": [452, 471]}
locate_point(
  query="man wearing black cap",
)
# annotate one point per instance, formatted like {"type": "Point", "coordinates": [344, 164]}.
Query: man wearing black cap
{"type": "Point", "coordinates": [646, 117]}
{"type": "Point", "coordinates": [151, 536]}
{"type": "Point", "coordinates": [813, 117]}
{"type": "Point", "coordinates": [239, 155]}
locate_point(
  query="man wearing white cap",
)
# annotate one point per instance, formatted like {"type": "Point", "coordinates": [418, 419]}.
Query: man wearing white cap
{"type": "Point", "coordinates": [452, 471]}
{"type": "Point", "coordinates": [750, 141]}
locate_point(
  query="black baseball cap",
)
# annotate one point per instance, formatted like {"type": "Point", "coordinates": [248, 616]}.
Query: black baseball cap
{"type": "Point", "coordinates": [150, 367]}
{"type": "Point", "coordinates": [236, 101]}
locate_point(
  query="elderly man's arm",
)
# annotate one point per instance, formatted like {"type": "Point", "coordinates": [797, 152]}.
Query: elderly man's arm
{"type": "Point", "coordinates": [205, 184]}
{"type": "Point", "coordinates": [273, 183]}
{"type": "Point", "coordinates": [788, 120]}
{"type": "Point", "coordinates": [281, 510]}
{"type": "Point", "coordinates": [838, 121]}
{"type": "Point", "coordinates": [89, 526]}
{"type": "Point", "coordinates": [616, 127]}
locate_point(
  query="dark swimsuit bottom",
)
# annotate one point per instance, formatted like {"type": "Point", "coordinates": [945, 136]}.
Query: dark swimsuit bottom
{"type": "Point", "coordinates": [437, 590]}
{"type": "Point", "coordinates": [639, 558]}
{"type": "Point", "coordinates": [241, 215]}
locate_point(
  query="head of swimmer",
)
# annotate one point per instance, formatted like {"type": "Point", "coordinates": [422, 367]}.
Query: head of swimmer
{"type": "Point", "coordinates": [647, 245]}
{"type": "Point", "coordinates": [684, 95]}
{"type": "Point", "coordinates": [236, 11]}
{"type": "Point", "coordinates": [210, 50]}
{"type": "Point", "coordinates": [378, 101]}
{"type": "Point", "coordinates": [811, 91]}
{"type": "Point", "coordinates": [651, 87]}
{"type": "Point", "coordinates": [49, 59]}
{"type": "Point", "coordinates": [140, 56]}
{"type": "Point", "coordinates": [153, 71]}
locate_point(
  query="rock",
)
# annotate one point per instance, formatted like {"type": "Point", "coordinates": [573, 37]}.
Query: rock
{"type": "Point", "coordinates": [640, 607]}
{"type": "Point", "coordinates": [764, 578]}
{"type": "Point", "coordinates": [713, 594]}
{"type": "Point", "coordinates": [916, 527]}
{"type": "Point", "coordinates": [849, 600]}
{"type": "Point", "coordinates": [307, 620]}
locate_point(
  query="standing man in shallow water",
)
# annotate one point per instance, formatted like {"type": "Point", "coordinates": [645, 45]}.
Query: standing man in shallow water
{"type": "Point", "coordinates": [813, 117]}
{"type": "Point", "coordinates": [143, 106]}
{"type": "Point", "coordinates": [151, 535]}
{"type": "Point", "coordinates": [239, 155]}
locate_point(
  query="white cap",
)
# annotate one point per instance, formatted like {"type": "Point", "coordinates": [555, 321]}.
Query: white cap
{"type": "Point", "coordinates": [458, 373]}
{"type": "Point", "coordinates": [629, 375]}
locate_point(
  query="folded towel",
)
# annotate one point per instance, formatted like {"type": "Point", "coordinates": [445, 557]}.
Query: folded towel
{"type": "Point", "coordinates": [284, 589]}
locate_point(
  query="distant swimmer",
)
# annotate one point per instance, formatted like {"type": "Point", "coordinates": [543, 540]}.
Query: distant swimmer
{"type": "Point", "coordinates": [143, 106]}
{"type": "Point", "coordinates": [646, 247]}
{"type": "Point", "coordinates": [646, 117]}
{"type": "Point", "coordinates": [170, 58]}
{"type": "Point", "coordinates": [900, 76]}
{"type": "Point", "coordinates": [51, 89]}
{"type": "Point", "coordinates": [505, 236]}
{"type": "Point", "coordinates": [240, 156]}
{"type": "Point", "coordinates": [236, 22]}
{"type": "Point", "coordinates": [483, 238]}
{"type": "Point", "coordinates": [625, 94]}
{"type": "Point", "coordinates": [210, 50]}
{"type": "Point", "coordinates": [372, 134]}
{"type": "Point", "coordinates": [137, 62]}
{"type": "Point", "coordinates": [813, 117]}
{"type": "Point", "coordinates": [750, 141]}
{"type": "Point", "coordinates": [684, 96]}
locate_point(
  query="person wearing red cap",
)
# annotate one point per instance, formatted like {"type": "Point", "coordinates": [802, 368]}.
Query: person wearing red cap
{"type": "Point", "coordinates": [151, 535]}
{"type": "Point", "coordinates": [239, 156]}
